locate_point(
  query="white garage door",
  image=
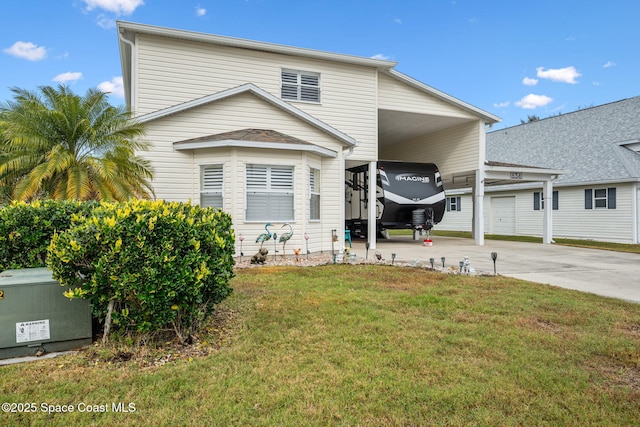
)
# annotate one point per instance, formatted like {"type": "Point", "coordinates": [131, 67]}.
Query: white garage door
{"type": "Point", "coordinates": [503, 215]}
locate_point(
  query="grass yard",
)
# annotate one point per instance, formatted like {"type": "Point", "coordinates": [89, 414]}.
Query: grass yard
{"type": "Point", "coordinates": [370, 346]}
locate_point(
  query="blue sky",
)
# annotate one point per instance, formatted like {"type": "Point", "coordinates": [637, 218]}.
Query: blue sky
{"type": "Point", "coordinates": [510, 58]}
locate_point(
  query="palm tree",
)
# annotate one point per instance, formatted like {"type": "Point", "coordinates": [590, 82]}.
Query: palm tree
{"type": "Point", "coordinates": [59, 145]}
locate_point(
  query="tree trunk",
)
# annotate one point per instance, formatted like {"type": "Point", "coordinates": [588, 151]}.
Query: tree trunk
{"type": "Point", "coordinates": [107, 322]}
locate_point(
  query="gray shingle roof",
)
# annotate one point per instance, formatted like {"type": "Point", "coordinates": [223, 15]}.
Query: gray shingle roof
{"type": "Point", "coordinates": [586, 142]}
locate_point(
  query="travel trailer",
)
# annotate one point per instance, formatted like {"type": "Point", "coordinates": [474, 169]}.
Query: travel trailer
{"type": "Point", "coordinates": [408, 196]}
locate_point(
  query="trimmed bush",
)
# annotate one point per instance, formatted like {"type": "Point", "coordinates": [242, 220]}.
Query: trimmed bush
{"type": "Point", "coordinates": [147, 265]}
{"type": "Point", "coordinates": [26, 230]}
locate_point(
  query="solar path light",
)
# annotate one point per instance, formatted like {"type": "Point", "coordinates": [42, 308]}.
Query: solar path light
{"type": "Point", "coordinates": [494, 257]}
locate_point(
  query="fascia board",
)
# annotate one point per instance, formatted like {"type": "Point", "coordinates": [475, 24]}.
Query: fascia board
{"type": "Point", "coordinates": [254, 45]}
{"type": "Point", "coordinates": [316, 149]}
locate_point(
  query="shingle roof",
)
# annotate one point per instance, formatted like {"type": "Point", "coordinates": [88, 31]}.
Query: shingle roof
{"type": "Point", "coordinates": [586, 142]}
{"type": "Point", "coordinates": [254, 135]}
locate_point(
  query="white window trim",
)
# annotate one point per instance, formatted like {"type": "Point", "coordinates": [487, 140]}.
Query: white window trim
{"type": "Point", "coordinates": [299, 85]}
{"type": "Point", "coordinates": [317, 192]}
{"type": "Point", "coordinates": [269, 190]}
{"type": "Point", "coordinates": [605, 198]}
{"type": "Point", "coordinates": [212, 191]}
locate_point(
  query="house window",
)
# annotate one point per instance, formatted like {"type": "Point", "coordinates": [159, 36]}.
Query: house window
{"type": "Point", "coordinates": [600, 198]}
{"type": "Point", "coordinates": [453, 204]}
{"type": "Point", "coordinates": [211, 186]}
{"type": "Point", "coordinates": [269, 193]}
{"type": "Point", "coordinates": [314, 192]}
{"type": "Point", "coordinates": [300, 86]}
{"type": "Point", "coordinates": [538, 201]}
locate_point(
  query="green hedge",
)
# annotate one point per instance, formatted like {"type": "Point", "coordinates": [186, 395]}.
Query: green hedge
{"type": "Point", "coordinates": [26, 230]}
{"type": "Point", "coordinates": [159, 265]}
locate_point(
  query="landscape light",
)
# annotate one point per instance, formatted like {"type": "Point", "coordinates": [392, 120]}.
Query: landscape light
{"type": "Point", "coordinates": [442, 259]}
{"type": "Point", "coordinates": [393, 258]}
{"type": "Point", "coordinates": [494, 257]}
{"type": "Point", "coordinates": [431, 260]}
{"type": "Point", "coordinates": [306, 238]}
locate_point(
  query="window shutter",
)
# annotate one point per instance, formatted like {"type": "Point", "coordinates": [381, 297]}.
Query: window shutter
{"type": "Point", "coordinates": [289, 85]}
{"type": "Point", "coordinates": [611, 198]}
{"type": "Point", "coordinates": [448, 204]}
{"type": "Point", "coordinates": [458, 199]}
{"type": "Point", "coordinates": [300, 86]}
{"type": "Point", "coordinates": [212, 178]}
{"type": "Point", "coordinates": [536, 201]}
{"type": "Point", "coordinates": [555, 201]}
{"type": "Point", "coordinates": [588, 199]}
{"type": "Point", "coordinates": [269, 193]}
{"type": "Point", "coordinates": [256, 177]}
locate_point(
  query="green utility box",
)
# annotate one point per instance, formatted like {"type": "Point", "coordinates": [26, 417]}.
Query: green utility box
{"type": "Point", "coordinates": [36, 317]}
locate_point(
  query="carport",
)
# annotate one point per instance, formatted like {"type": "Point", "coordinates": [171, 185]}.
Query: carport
{"type": "Point", "coordinates": [417, 123]}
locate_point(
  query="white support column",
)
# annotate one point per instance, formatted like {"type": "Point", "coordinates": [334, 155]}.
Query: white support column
{"type": "Point", "coordinates": [478, 208]}
{"type": "Point", "coordinates": [547, 228]}
{"type": "Point", "coordinates": [478, 198]}
{"type": "Point", "coordinates": [372, 205]}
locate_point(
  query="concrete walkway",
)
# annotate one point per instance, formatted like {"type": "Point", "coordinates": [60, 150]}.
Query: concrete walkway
{"type": "Point", "coordinates": [607, 273]}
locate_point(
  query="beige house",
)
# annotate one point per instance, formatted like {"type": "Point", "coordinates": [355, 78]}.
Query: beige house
{"type": "Point", "coordinates": [266, 131]}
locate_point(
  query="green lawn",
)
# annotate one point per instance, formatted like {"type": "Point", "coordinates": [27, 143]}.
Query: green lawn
{"type": "Point", "coordinates": [371, 346]}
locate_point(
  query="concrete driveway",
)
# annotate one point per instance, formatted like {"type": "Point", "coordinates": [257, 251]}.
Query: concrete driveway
{"type": "Point", "coordinates": [607, 273]}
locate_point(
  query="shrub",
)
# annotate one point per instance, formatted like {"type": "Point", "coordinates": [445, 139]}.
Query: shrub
{"type": "Point", "coordinates": [26, 230]}
{"type": "Point", "coordinates": [147, 265]}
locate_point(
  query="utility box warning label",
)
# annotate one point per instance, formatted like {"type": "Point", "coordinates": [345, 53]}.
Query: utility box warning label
{"type": "Point", "coordinates": [34, 330]}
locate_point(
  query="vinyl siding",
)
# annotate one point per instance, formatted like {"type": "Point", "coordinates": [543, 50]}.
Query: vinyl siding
{"type": "Point", "coordinates": [395, 95]}
{"type": "Point", "coordinates": [172, 71]}
{"type": "Point", "coordinates": [452, 149]}
{"type": "Point", "coordinates": [458, 220]}
{"type": "Point", "coordinates": [177, 173]}
{"type": "Point", "coordinates": [571, 220]}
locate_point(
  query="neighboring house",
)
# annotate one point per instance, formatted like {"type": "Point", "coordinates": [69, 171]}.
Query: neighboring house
{"type": "Point", "coordinates": [597, 198]}
{"type": "Point", "coordinates": [266, 132]}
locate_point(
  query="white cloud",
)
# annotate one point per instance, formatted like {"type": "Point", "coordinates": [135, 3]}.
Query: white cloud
{"type": "Point", "coordinates": [504, 104]}
{"type": "Point", "coordinates": [200, 11]}
{"type": "Point", "coordinates": [106, 22]}
{"type": "Point", "coordinates": [565, 75]}
{"type": "Point", "coordinates": [27, 50]}
{"type": "Point", "coordinates": [381, 56]}
{"type": "Point", "coordinates": [114, 87]}
{"type": "Point", "coordinates": [119, 7]}
{"type": "Point", "coordinates": [532, 101]}
{"type": "Point", "coordinates": [397, 21]}
{"type": "Point", "coordinates": [68, 77]}
{"type": "Point", "coordinates": [609, 64]}
{"type": "Point", "coordinates": [528, 81]}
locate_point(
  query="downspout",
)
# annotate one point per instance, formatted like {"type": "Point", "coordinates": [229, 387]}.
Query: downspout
{"type": "Point", "coordinates": [131, 79]}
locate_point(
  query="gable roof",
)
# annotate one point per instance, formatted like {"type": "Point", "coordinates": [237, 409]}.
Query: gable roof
{"type": "Point", "coordinates": [127, 31]}
{"type": "Point", "coordinates": [260, 93]}
{"type": "Point", "coordinates": [253, 138]}
{"type": "Point", "coordinates": [594, 145]}
{"type": "Point", "coordinates": [487, 117]}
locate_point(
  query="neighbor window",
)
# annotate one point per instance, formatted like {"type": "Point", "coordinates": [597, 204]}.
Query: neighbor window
{"type": "Point", "coordinates": [600, 198]}
{"type": "Point", "coordinates": [211, 186]}
{"type": "Point", "coordinates": [314, 192]}
{"type": "Point", "coordinates": [269, 193]}
{"type": "Point", "coordinates": [300, 86]}
{"type": "Point", "coordinates": [453, 204]}
{"type": "Point", "coordinates": [538, 201]}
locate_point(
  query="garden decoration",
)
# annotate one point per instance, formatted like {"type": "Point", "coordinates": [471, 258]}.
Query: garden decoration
{"type": "Point", "coordinates": [264, 236]}
{"type": "Point", "coordinates": [285, 237]}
